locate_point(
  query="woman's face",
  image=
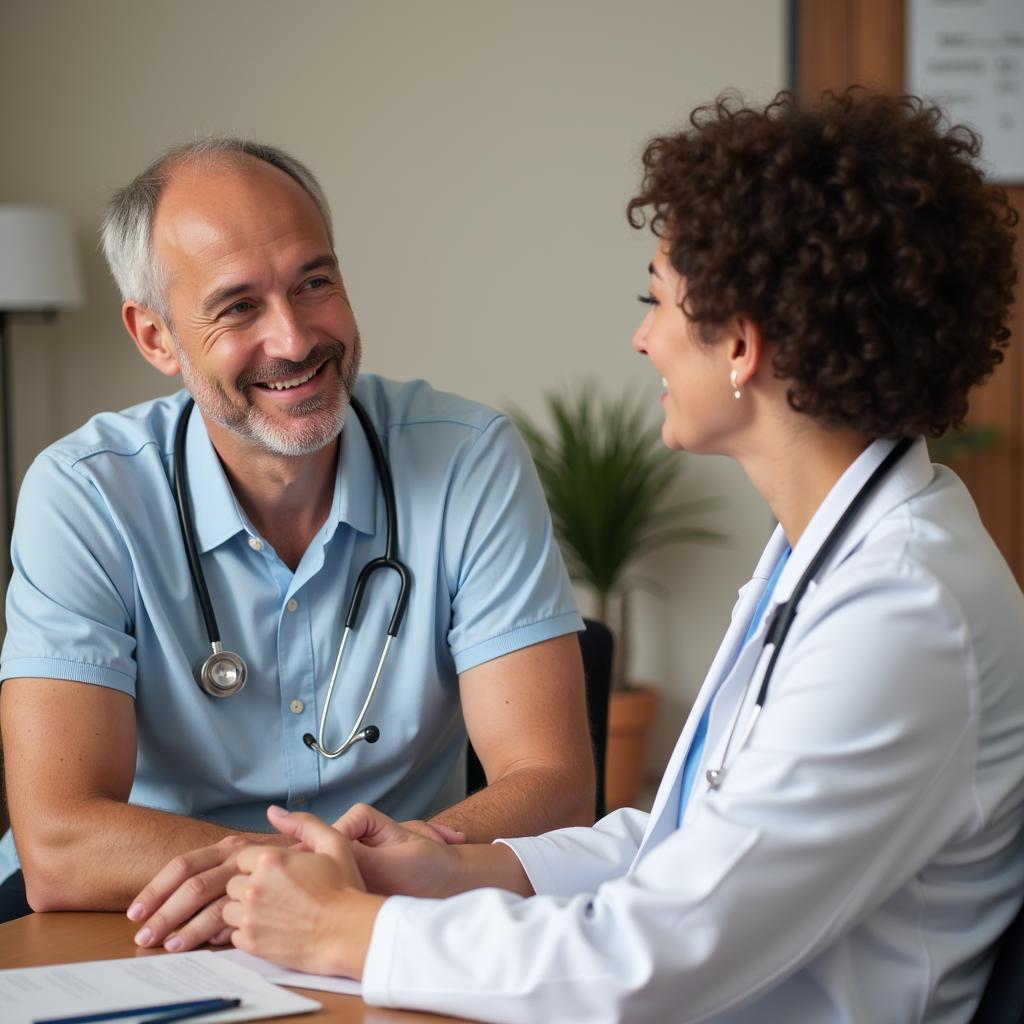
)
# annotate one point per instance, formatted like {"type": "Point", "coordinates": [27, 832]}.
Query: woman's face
{"type": "Point", "coordinates": [698, 396]}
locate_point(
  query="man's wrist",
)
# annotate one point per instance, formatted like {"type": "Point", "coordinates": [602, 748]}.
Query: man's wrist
{"type": "Point", "coordinates": [269, 838]}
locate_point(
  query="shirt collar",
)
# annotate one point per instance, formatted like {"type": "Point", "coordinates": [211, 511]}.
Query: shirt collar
{"type": "Point", "coordinates": [215, 511]}
{"type": "Point", "coordinates": [355, 485]}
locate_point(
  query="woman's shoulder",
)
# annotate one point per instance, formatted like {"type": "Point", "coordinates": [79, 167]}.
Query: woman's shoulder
{"type": "Point", "coordinates": [926, 596]}
{"type": "Point", "coordinates": [936, 539]}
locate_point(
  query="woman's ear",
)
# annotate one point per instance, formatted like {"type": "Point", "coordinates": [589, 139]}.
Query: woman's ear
{"type": "Point", "coordinates": [152, 337]}
{"type": "Point", "coordinates": [745, 349]}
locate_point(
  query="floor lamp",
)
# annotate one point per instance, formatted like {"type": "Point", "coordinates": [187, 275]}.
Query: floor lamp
{"type": "Point", "coordinates": [38, 274]}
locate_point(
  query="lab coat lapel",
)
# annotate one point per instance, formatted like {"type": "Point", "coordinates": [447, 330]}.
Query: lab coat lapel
{"type": "Point", "coordinates": [730, 663]}
{"type": "Point", "coordinates": [735, 662]}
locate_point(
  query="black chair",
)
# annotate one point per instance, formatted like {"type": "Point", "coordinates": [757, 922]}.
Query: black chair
{"type": "Point", "coordinates": [596, 646]}
{"type": "Point", "coordinates": [1002, 1002]}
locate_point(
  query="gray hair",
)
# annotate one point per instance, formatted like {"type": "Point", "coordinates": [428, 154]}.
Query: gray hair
{"type": "Point", "coordinates": [127, 227]}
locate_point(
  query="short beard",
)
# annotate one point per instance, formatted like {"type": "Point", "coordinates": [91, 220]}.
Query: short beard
{"type": "Point", "coordinates": [317, 421]}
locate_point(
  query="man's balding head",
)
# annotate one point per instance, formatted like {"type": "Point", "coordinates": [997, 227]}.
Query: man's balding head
{"type": "Point", "coordinates": [127, 228]}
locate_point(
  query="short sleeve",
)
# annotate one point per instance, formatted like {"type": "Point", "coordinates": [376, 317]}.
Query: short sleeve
{"type": "Point", "coordinates": [70, 597]}
{"type": "Point", "coordinates": [508, 581]}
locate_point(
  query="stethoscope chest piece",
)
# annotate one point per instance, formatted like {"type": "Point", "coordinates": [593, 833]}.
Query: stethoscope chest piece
{"type": "Point", "coordinates": [222, 674]}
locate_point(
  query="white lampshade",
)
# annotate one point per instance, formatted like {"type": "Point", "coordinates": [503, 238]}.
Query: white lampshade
{"type": "Point", "coordinates": [38, 269]}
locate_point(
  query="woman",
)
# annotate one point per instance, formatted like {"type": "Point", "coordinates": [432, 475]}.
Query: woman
{"type": "Point", "coordinates": [825, 284]}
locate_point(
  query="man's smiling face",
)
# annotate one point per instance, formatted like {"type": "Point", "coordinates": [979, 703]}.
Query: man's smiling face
{"type": "Point", "coordinates": [265, 336]}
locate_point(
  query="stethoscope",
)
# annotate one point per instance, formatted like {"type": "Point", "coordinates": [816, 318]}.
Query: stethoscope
{"type": "Point", "coordinates": [223, 673]}
{"type": "Point", "coordinates": [784, 614]}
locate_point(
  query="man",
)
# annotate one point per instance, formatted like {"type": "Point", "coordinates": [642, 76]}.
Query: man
{"type": "Point", "coordinates": [116, 760]}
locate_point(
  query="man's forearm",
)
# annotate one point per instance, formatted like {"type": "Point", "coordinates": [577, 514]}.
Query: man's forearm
{"type": "Point", "coordinates": [103, 852]}
{"type": "Point", "coordinates": [525, 802]}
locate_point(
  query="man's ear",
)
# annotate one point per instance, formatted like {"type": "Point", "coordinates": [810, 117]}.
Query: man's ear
{"type": "Point", "coordinates": [152, 337]}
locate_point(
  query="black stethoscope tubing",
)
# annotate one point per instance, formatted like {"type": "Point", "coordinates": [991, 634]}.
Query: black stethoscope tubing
{"type": "Point", "coordinates": [784, 614]}
{"type": "Point", "coordinates": [232, 663]}
{"type": "Point", "coordinates": [199, 586]}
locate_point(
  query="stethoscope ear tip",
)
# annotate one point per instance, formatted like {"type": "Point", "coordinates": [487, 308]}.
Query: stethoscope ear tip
{"type": "Point", "coordinates": [310, 740]}
{"type": "Point", "coordinates": [371, 734]}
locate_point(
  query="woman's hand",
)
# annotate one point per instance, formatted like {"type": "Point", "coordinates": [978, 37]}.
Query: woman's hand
{"type": "Point", "coordinates": [417, 858]}
{"type": "Point", "coordinates": [410, 859]}
{"type": "Point", "coordinates": [306, 910]}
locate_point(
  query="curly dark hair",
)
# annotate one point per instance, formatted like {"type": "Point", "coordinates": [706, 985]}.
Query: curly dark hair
{"type": "Point", "coordinates": [860, 235]}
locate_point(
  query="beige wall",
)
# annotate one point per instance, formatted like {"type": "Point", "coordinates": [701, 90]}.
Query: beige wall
{"type": "Point", "coordinates": [478, 157]}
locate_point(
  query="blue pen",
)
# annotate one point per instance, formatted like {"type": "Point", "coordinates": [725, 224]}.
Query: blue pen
{"type": "Point", "coordinates": [195, 1011]}
{"type": "Point", "coordinates": [164, 1012]}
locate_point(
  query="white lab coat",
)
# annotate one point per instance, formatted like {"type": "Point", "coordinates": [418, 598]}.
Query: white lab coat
{"type": "Point", "coordinates": [864, 850]}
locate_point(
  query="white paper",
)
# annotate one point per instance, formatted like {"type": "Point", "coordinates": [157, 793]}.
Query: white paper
{"type": "Point", "coordinates": [66, 990]}
{"type": "Point", "coordinates": [968, 56]}
{"type": "Point", "coordinates": [297, 979]}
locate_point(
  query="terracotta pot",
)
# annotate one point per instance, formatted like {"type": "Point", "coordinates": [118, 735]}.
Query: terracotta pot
{"type": "Point", "coordinates": [630, 717]}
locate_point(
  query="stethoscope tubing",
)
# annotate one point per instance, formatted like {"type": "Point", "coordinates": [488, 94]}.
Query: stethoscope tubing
{"type": "Point", "coordinates": [785, 613]}
{"type": "Point", "coordinates": [188, 533]}
{"type": "Point", "coordinates": [388, 562]}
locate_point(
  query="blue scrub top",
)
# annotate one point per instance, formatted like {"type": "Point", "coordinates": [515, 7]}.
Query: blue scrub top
{"type": "Point", "coordinates": [101, 594]}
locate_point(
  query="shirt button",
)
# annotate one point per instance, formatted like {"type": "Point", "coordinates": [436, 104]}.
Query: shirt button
{"type": "Point", "coordinates": [299, 801]}
{"type": "Point", "coordinates": [255, 544]}
{"type": "Point", "coordinates": [297, 707]}
{"type": "Point", "coordinates": [292, 605]}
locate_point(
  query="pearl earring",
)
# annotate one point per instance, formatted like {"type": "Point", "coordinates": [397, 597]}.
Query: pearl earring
{"type": "Point", "coordinates": [734, 381]}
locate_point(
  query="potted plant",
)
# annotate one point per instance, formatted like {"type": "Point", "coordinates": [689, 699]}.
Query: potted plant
{"type": "Point", "coordinates": [608, 479]}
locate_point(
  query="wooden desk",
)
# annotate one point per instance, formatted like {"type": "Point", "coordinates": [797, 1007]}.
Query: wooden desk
{"type": "Point", "coordinates": [41, 939]}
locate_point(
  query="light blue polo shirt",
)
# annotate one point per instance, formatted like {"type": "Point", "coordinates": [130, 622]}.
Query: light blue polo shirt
{"type": "Point", "coordinates": [101, 594]}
